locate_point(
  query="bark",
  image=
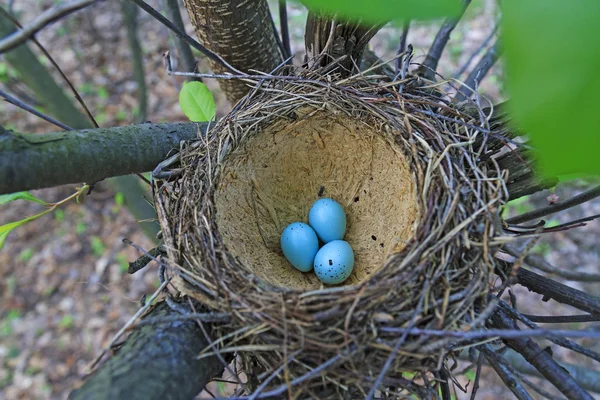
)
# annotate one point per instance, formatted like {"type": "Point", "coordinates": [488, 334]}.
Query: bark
{"type": "Point", "coordinates": [35, 161]}
{"type": "Point", "coordinates": [324, 44]}
{"type": "Point", "coordinates": [157, 361]}
{"type": "Point", "coordinates": [240, 31]}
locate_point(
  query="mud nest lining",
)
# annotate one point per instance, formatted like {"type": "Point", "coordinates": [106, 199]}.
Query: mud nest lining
{"type": "Point", "coordinates": [421, 189]}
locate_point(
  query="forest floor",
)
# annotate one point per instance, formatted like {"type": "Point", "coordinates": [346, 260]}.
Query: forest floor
{"type": "Point", "coordinates": [65, 291]}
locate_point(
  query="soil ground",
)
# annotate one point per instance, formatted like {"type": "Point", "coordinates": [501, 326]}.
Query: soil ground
{"type": "Point", "coordinates": [65, 291]}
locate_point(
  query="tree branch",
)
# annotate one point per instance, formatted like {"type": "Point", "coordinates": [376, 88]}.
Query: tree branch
{"type": "Point", "coordinates": [130, 11]}
{"type": "Point", "coordinates": [540, 359]}
{"type": "Point", "coordinates": [158, 361]}
{"type": "Point", "coordinates": [554, 208]}
{"type": "Point", "coordinates": [505, 373]}
{"type": "Point", "coordinates": [429, 66]}
{"type": "Point", "coordinates": [183, 48]}
{"type": "Point", "coordinates": [479, 72]}
{"type": "Point", "coordinates": [34, 161]}
{"type": "Point", "coordinates": [43, 20]}
{"type": "Point", "coordinates": [283, 24]}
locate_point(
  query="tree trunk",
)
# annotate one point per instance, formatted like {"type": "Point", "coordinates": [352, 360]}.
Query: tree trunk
{"type": "Point", "coordinates": [157, 361]}
{"type": "Point", "coordinates": [325, 43]}
{"type": "Point", "coordinates": [241, 32]}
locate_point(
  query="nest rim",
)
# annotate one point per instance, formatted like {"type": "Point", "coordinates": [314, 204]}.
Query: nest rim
{"type": "Point", "coordinates": [431, 157]}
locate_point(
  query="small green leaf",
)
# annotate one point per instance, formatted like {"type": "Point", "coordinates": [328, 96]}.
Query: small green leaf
{"type": "Point", "coordinates": [377, 11]}
{"type": "Point", "coordinates": [552, 59]}
{"type": "Point", "coordinates": [6, 198]}
{"type": "Point", "coordinates": [197, 102]}
{"type": "Point", "coordinates": [7, 228]}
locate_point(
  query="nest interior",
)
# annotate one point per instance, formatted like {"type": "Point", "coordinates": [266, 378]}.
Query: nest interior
{"type": "Point", "coordinates": [433, 202]}
{"type": "Point", "coordinates": [273, 179]}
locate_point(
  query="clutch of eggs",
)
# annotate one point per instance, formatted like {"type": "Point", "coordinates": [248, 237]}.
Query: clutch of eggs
{"type": "Point", "coordinates": [334, 262]}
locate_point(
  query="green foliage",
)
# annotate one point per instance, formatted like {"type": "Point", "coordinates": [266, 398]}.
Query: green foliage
{"type": "Point", "coordinates": [66, 322]}
{"type": "Point", "coordinates": [97, 246]}
{"type": "Point", "coordinates": [123, 263]}
{"type": "Point", "coordinates": [377, 11]}
{"type": "Point", "coordinates": [25, 254]}
{"type": "Point", "coordinates": [7, 228]}
{"type": "Point", "coordinates": [552, 59]}
{"type": "Point", "coordinates": [59, 215]}
{"type": "Point", "coordinates": [197, 102]}
{"type": "Point", "coordinates": [6, 198]}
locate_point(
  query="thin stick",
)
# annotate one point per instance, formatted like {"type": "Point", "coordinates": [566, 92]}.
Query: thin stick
{"type": "Point", "coordinates": [129, 323]}
{"type": "Point", "coordinates": [479, 72]}
{"type": "Point", "coordinates": [42, 21]}
{"type": "Point", "coordinates": [160, 18]}
{"type": "Point", "coordinates": [429, 66]}
{"type": "Point", "coordinates": [562, 319]}
{"type": "Point", "coordinates": [554, 208]}
{"type": "Point", "coordinates": [543, 265]}
{"type": "Point", "coordinates": [20, 104]}
{"type": "Point", "coordinates": [283, 25]}
{"type": "Point", "coordinates": [183, 48]}
{"type": "Point", "coordinates": [402, 46]}
{"type": "Point", "coordinates": [483, 45]}
{"type": "Point", "coordinates": [491, 333]}
{"type": "Point", "coordinates": [58, 69]}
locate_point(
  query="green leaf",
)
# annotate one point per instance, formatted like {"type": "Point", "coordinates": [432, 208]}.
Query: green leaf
{"type": "Point", "coordinates": [378, 11]}
{"type": "Point", "coordinates": [552, 52]}
{"type": "Point", "coordinates": [7, 228]}
{"type": "Point", "coordinates": [197, 102]}
{"type": "Point", "coordinates": [7, 198]}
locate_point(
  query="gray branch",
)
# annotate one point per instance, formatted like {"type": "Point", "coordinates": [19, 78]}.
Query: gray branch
{"type": "Point", "coordinates": [35, 161]}
{"type": "Point", "coordinates": [158, 361]}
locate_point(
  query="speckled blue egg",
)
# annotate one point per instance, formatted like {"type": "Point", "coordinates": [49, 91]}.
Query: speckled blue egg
{"type": "Point", "coordinates": [334, 262]}
{"type": "Point", "coordinates": [327, 218]}
{"type": "Point", "coordinates": [299, 244]}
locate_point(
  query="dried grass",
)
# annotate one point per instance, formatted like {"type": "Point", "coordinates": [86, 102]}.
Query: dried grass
{"type": "Point", "coordinates": [328, 341]}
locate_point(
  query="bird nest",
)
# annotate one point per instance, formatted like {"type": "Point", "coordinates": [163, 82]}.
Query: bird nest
{"type": "Point", "coordinates": [417, 179]}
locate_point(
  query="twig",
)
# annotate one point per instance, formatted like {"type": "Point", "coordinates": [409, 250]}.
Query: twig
{"type": "Point", "coordinates": [204, 317]}
{"type": "Point", "coordinates": [33, 111]}
{"type": "Point", "coordinates": [160, 18]}
{"type": "Point", "coordinates": [183, 48]}
{"type": "Point", "coordinates": [43, 20]}
{"type": "Point", "coordinates": [479, 72]}
{"type": "Point", "coordinates": [429, 66]}
{"type": "Point", "coordinates": [485, 42]}
{"type": "Point", "coordinates": [493, 333]}
{"type": "Point", "coordinates": [129, 323]}
{"type": "Point", "coordinates": [562, 319]}
{"type": "Point", "coordinates": [540, 359]}
{"type": "Point", "coordinates": [543, 265]}
{"type": "Point", "coordinates": [402, 46]}
{"type": "Point", "coordinates": [285, 32]}
{"type": "Point", "coordinates": [130, 12]}
{"type": "Point", "coordinates": [505, 373]}
{"type": "Point", "coordinates": [477, 376]}
{"type": "Point", "coordinates": [554, 208]}
{"type": "Point", "coordinates": [58, 69]}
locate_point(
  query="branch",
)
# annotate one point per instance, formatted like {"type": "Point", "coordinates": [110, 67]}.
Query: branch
{"type": "Point", "coordinates": [402, 45]}
{"type": "Point", "coordinates": [479, 72]}
{"type": "Point", "coordinates": [551, 289]}
{"type": "Point", "coordinates": [554, 208]}
{"type": "Point", "coordinates": [130, 11]}
{"type": "Point", "coordinates": [157, 361]}
{"type": "Point", "coordinates": [16, 102]}
{"type": "Point", "coordinates": [285, 32]}
{"type": "Point", "coordinates": [505, 373]}
{"type": "Point", "coordinates": [543, 265]}
{"type": "Point", "coordinates": [43, 20]}
{"type": "Point", "coordinates": [585, 377]}
{"type": "Point", "coordinates": [477, 51]}
{"type": "Point", "coordinates": [173, 28]}
{"type": "Point", "coordinates": [429, 66]}
{"type": "Point", "coordinates": [540, 359]}
{"type": "Point", "coordinates": [34, 161]}
{"type": "Point", "coordinates": [183, 48]}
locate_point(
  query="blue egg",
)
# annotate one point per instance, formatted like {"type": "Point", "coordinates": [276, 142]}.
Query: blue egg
{"type": "Point", "coordinates": [334, 262]}
{"type": "Point", "coordinates": [299, 244]}
{"type": "Point", "coordinates": [327, 218]}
